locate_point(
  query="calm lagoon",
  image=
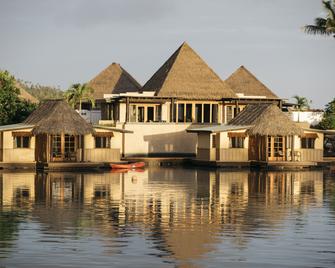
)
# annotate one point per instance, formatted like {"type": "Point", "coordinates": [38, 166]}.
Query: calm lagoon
{"type": "Point", "coordinates": [167, 217]}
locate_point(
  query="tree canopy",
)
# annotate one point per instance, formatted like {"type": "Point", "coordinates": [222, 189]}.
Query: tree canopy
{"type": "Point", "coordinates": [78, 93]}
{"type": "Point", "coordinates": [12, 108]}
{"type": "Point", "coordinates": [328, 121]}
{"type": "Point", "coordinates": [301, 102]}
{"type": "Point", "coordinates": [323, 26]}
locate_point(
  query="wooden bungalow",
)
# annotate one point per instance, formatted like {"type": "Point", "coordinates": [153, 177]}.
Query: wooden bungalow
{"type": "Point", "coordinates": [261, 133]}
{"type": "Point", "coordinates": [56, 133]}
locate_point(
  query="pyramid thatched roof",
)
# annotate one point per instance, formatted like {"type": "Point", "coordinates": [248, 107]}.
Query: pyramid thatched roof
{"type": "Point", "coordinates": [113, 80]}
{"type": "Point", "coordinates": [185, 75]}
{"type": "Point", "coordinates": [56, 117]}
{"type": "Point", "coordinates": [244, 82]}
{"type": "Point", "coordinates": [266, 119]}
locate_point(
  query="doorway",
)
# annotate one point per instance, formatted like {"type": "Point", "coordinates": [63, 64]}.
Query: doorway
{"type": "Point", "coordinates": [276, 148]}
{"type": "Point", "coordinates": [63, 147]}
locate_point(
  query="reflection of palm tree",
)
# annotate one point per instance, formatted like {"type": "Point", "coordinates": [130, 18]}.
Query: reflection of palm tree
{"type": "Point", "coordinates": [302, 103]}
{"type": "Point", "coordinates": [324, 26]}
{"type": "Point", "coordinates": [77, 93]}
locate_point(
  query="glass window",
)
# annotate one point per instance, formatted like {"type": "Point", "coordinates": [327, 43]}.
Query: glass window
{"type": "Point", "coordinates": [236, 111]}
{"type": "Point", "coordinates": [207, 113]}
{"type": "Point", "coordinates": [214, 113]}
{"type": "Point", "coordinates": [229, 113]}
{"type": "Point", "coordinates": [158, 113]}
{"type": "Point", "coordinates": [236, 142]}
{"type": "Point", "coordinates": [307, 143]}
{"type": "Point", "coordinates": [174, 113]}
{"type": "Point", "coordinates": [198, 113]}
{"type": "Point", "coordinates": [132, 113]}
{"type": "Point", "coordinates": [140, 114]}
{"type": "Point", "coordinates": [181, 112]}
{"type": "Point", "coordinates": [188, 112]}
{"type": "Point", "coordinates": [69, 144]}
{"type": "Point", "coordinates": [102, 142]}
{"type": "Point", "coordinates": [150, 114]}
{"type": "Point", "coordinates": [22, 142]}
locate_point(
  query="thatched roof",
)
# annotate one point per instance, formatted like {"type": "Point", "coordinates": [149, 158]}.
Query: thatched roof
{"type": "Point", "coordinates": [185, 75]}
{"type": "Point", "coordinates": [266, 119]}
{"type": "Point", "coordinates": [242, 81]}
{"type": "Point", "coordinates": [56, 117]}
{"type": "Point", "coordinates": [113, 80]}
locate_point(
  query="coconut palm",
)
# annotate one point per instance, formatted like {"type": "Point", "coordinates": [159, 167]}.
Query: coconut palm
{"type": "Point", "coordinates": [78, 93]}
{"type": "Point", "coordinates": [324, 26]}
{"type": "Point", "coordinates": [302, 103]}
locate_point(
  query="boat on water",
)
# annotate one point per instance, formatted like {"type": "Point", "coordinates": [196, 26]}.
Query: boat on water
{"type": "Point", "coordinates": [135, 165]}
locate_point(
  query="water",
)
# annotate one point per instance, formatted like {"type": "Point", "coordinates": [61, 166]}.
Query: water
{"type": "Point", "coordinates": [167, 217]}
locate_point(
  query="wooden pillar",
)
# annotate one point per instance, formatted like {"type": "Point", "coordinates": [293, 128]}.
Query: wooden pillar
{"type": "Point", "coordinates": [236, 106]}
{"type": "Point", "coordinates": [48, 148]}
{"type": "Point", "coordinates": [292, 149]}
{"type": "Point", "coordinates": [127, 109]}
{"type": "Point", "coordinates": [82, 148]}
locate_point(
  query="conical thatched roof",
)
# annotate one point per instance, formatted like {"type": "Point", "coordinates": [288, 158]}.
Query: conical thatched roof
{"type": "Point", "coordinates": [113, 80]}
{"type": "Point", "coordinates": [242, 81]}
{"type": "Point", "coordinates": [266, 119]}
{"type": "Point", "coordinates": [185, 75]}
{"type": "Point", "coordinates": [56, 117]}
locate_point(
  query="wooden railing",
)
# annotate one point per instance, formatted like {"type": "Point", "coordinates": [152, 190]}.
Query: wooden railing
{"type": "Point", "coordinates": [311, 155]}
{"type": "Point", "coordinates": [101, 155]}
{"type": "Point", "coordinates": [233, 154]}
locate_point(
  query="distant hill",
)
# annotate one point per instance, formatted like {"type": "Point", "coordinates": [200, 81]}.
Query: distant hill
{"type": "Point", "coordinates": [42, 92]}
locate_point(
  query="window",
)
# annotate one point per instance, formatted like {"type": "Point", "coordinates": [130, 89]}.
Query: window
{"type": "Point", "coordinates": [207, 113]}
{"type": "Point", "coordinates": [229, 113]}
{"type": "Point", "coordinates": [307, 143]}
{"type": "Point", "coordinates": [140, 114]}
{"type": "Point", "coordinates": [236, 111]}
{"type": "Point", "coordinates": [132, 113]}
{"type": "Point", "coordinates": [198, 113]}
{"type": "Point", "coordinates": [102, 142]}
{"type": "Point", "coordinates": [69, 144]}
{"type": "Point", "coordinates": [158, 113]}
{"type": "Point", "coordinates": [214, 113]}
{"type": "Point", "coordinates": [236, 142]}
{"type": "Point", "coordinates": [214, 140]}
{"type": "Point", "coordinates": [180, 112]}
{"type": "Point", "coordinates": [22, 142]}
{"type": "Point", "coordinates": [188, 112]}
{"type": "Point", "coordinates": [150, 114]}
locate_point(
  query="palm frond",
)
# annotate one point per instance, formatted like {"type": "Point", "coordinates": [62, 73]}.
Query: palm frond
{"type": "Point", "coordinates": [312, 29]}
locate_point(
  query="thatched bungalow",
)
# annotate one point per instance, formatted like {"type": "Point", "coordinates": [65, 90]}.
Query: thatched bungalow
{"type": "Point", "coordinates": [56, 133]}
{"type": "Point", "coordinates": [261, 132]}
{"type": "Point", "coordinates": [184, 91]}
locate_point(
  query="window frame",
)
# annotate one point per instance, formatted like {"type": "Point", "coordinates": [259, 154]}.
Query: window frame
{"type": "Point", "coordinates": [236, 142]}
{"type": "Point", "coordinates": [307, 143]}
{"type": "Point", "coordinates": [21, 138]}
{"type": "Point", "coordinates": [103, 145]}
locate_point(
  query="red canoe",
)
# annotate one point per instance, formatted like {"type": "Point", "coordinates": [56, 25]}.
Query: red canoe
{"type": "Point", "coordinates": [128, 166]}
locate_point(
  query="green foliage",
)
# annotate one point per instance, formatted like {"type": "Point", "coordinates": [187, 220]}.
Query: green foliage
{"type": "Point", "coordinates": [12, 108]}
{"type": "Point", "coordinates": [42, 92]}
{"type": "Point", "coordinates": [324, 26]}
{"type": "Point", "coordinates": [328, 121]}
{"type": "Point", "coordinates": [78, 93]}
{"type": "Point", "coordinates": [302, 102]}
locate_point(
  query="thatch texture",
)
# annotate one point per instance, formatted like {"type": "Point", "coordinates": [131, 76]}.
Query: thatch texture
{"type": "Point", "coordinates": [242, 81]}
{"type": "Point", "coordinates": [185, 75]}
{"type": "Point", "coordinates": [266, 120]}
{"type": "Point", "coordinates": [56, 117]}
{"type": "Point", "coordinates": [113, 80]}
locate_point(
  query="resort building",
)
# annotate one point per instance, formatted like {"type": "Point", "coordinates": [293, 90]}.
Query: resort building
{"type": "Point", "coordinates": [56, 133]}
{"type": "Point", "coordinates": [183, 92]}
{"type": "Point", "coordinates": [261, 133]}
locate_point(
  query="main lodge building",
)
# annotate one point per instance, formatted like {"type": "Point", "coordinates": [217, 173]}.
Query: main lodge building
{"type": "Point", "coordinates": [184, 109]}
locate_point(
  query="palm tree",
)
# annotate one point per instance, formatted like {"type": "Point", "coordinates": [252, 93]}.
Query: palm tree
{"type": "Point", "coordinates": [324, 26]}
{"type": "Point", "coordinates": [78, 93]}
{"type": "Point", "coordinates": [302, 103]}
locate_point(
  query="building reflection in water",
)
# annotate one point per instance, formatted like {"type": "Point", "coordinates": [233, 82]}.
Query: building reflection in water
{"type": "Point", "coordinates": [184, 212]}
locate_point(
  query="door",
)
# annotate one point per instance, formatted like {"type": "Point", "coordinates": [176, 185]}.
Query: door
{"type": "Point", "coordinates": [63, 148]}
{"type": "Point", "coordinates": [276, 148]}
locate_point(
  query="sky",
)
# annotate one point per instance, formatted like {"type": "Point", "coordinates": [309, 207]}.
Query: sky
{"type": "Point", "coordinates": [61, 42]}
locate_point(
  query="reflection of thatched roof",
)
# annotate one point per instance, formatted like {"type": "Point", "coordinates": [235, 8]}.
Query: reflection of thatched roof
{"type": "Point", "coordinates": [186, 75]}
{"type": "Point", "coordinates": [56, 117]}
{"type": "Point", "coordinates": [242, 81]}
{"type": "Point", "coordinates": [25, 95]}
{"type": "Point", "coordinates": [266, 119]}
{"type": "Point", "coordinates": [113, 80]}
